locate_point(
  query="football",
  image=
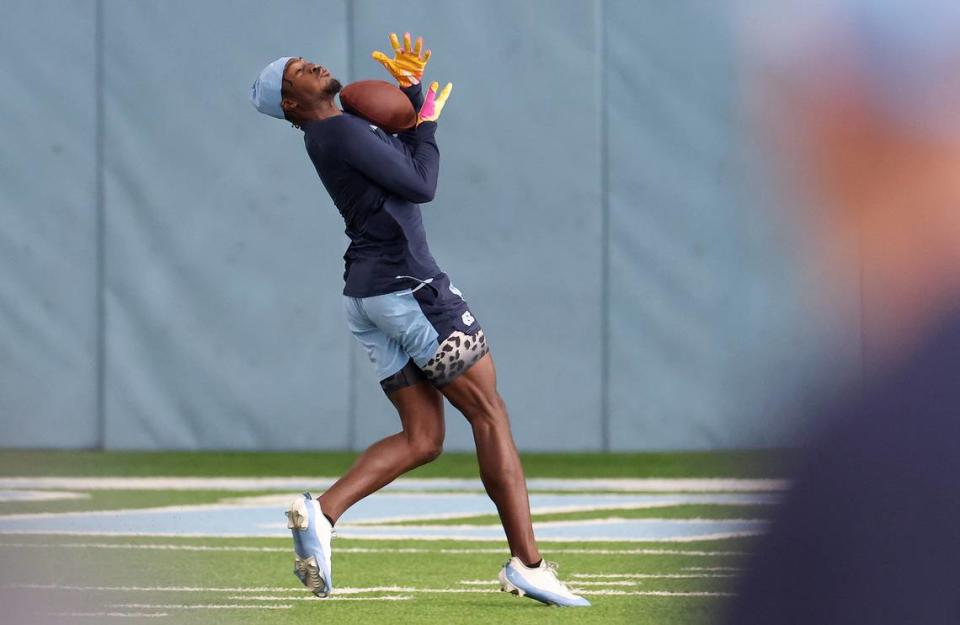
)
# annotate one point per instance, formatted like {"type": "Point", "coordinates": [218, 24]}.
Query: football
{"type": "Point", "coordinates": [380, 103]}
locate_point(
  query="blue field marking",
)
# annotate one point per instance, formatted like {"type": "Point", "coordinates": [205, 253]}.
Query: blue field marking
{"type": "Point", "coordinates": [574, 531]}
{"type": "Point", "coordinates": [407, 484]}
{"type": "Point", "coordinates": [364, 519]}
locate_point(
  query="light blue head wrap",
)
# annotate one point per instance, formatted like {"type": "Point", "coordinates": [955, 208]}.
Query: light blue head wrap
{"type": "Point", "coordinates": [265, 93]}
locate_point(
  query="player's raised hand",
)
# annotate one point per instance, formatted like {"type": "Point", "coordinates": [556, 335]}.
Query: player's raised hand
{"type": "Point", "coordinates": [408, 62]}
{"type": "Point", "coordinates": [433, 103]}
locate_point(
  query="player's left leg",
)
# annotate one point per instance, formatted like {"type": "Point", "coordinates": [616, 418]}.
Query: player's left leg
{"type": "Point", "coordinates": [474, 393]}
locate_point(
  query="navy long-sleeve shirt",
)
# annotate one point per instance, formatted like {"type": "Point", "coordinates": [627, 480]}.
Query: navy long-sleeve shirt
{"type": "Point", "coordinates": [377, 182]}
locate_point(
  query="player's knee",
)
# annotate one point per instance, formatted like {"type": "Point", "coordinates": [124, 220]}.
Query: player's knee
{"type": "Point", "coordinates": [487, 411]}
{"type": "Point", "coordinates": [426, 448]}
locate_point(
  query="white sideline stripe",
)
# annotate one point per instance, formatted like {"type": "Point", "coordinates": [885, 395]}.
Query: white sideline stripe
{"type": "Point", "coordinates": [580, 582]}
{"type": "Point", "coordinates": [656, 593]}
{"type": "Point", "coordinates": [300, 483]}
{"type": "Point", "coordinates": [339, 591]}
{"type": "Point", "coordinates": [580, 576]}
{"type": "Point", "coordinates": [150, 547]}
{"type": "Point", "coordinates": [540, 510]}
{"type": "Point", "coordinates": [335, 597]}
{"type": "Point", "coordinates": [454, 551]}
{"type": "Point", "coordinates": [149, 588]}
{"type": "Point", "coordinates": [102, 614]}
{"type": "Point", "coordinates": [609, 520]}
{"type": "Point", "coordinates": [617, 582]}
{"type": "Point", "coordinates": [20, 496]}
{"type": "Point", "coordinates": [251, 589]}
{"type": "Point", "coordinates": [441, 535]}
{"type": "Point", "coordinates": [710, 568]}
{"type": "Point", "coordinates": [388, 537]}
{"type": "Point", "coordinates": [204, 606]}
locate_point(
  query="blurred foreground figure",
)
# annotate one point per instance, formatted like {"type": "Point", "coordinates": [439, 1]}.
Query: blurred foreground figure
{"type": "Point", "coordinates": [860, 101]}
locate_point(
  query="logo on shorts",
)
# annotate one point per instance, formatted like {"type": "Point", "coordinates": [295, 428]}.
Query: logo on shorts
{"type": "Point", "coordinates": [467, 319]}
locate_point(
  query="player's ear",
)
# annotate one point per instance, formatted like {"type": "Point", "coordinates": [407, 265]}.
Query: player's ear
{"type": "Point", "coordinates": [288, 106]}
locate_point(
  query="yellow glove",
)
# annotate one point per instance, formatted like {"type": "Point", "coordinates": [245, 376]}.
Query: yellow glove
{"type": "Point", "coordinates": [433, 103]}
{"type": "Point", "coordinates": [408, 64]}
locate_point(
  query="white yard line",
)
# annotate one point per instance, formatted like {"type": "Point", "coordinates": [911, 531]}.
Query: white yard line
{"type": "Point", "coordinates": [710, 568]}
{"type": "Point", "coordinates": [149, 547]}
{"type": "Point", "coordinates": [440, 536]}
{"type": "Point", "coordinates": [540, 510]}
{"type": "Point", "coordinates": [199, 606]}
{"type": "Point", "coordinates": [580, 576]}
{"type": "Point", "coordinates": [151, 588]}
{"type": "Point", "coordinates": [452, 551]}
{"type": "Point", "coordinates": [299, 483]}
{"type": "Point", "coordinates": [103, 614]}
{"type": "Point", "coordinates": [250, 589]}
{"type": "Point", "coordinates": [656, 593]}
{"type": "Point", "coordinates": [335, 597]}
{"type": "Point", "coordinates": [21, 496]}
{"type": "Point", "coordinates": [337, 592]}
{"type": "Point", "coordinates": [579, 581]}
{"type": "Point", "coordinates": [600, 521]}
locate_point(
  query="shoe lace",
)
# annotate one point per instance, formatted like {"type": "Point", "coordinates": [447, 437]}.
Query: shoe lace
{"type": "Point", "coordinates": [552, 568]}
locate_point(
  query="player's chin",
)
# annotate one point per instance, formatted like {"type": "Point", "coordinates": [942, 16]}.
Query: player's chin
{"type": "Point", "coordinates": [332, 87]}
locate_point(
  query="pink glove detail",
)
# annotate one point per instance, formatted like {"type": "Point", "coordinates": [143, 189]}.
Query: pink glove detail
{"type": "Point", "coordinates": [428, 106]}
{"type": "Point", "coordinates": [433, 103]}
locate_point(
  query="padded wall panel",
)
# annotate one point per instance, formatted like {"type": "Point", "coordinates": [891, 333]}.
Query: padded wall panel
{"type": "Point", "coordinates": [48, 215]}
{"type": "Point", "coordinates": [223, 251]}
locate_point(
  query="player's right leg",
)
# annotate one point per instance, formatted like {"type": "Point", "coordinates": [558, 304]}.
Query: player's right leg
{"type": "Point", "coordinates": [311, 544]}
{"type": "Point", "coordinates": [420, 407]}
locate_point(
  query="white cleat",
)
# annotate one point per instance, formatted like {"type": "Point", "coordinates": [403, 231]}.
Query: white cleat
{"type": "Point", "coordinates": [311, 542]}
{"type": "Point", "coordinates": [538, 583]}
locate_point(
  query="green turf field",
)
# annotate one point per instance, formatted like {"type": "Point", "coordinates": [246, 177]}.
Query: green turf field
{"type": "Point", "coordinates": [88, 577]}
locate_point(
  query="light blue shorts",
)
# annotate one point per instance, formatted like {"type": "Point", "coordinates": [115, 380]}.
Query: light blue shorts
{"type": "Point", "coordinates": [392, 329]}
{"type": "Point", "coordinates": [429, 323]}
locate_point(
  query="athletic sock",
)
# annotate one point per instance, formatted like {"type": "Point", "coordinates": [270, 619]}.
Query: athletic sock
{"type": "Point", "coordinates": [534, 565]}
{"type": "Point", "coordinates": [327, 517]}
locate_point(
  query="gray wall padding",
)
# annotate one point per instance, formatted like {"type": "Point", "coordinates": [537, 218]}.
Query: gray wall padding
{"type": "Point", "coordinates": [223, 251]}
{"type": "Point", "coordinates": [48, 225]}
{"type": "Point", "coordinates": [586, 144]}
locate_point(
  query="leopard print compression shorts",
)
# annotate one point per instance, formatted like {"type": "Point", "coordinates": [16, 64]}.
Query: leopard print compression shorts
{"type": "Point", "coordinates": [457, 353]}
